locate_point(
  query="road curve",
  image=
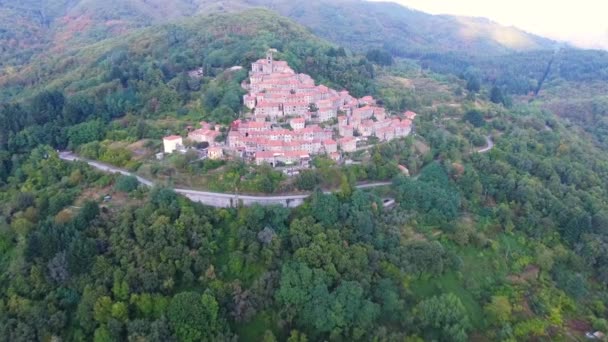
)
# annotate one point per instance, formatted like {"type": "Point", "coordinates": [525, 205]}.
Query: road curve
{"type": "Point", "coordinates": [215, 199]}
{"type": "Point", "coordinates": [490, 145]}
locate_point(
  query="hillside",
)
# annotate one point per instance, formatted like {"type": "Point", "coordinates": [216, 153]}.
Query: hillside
{"type": "Point", "coordinates": [29, 27]}
{"type": "Point", "coordinates": [362, 25]}
{"type": "Point", "coordinates": [146, 72]}
{"type": "Point", "coordinates": [497, 231]}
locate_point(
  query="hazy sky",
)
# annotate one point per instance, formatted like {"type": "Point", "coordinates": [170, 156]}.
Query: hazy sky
{"type": "Point", "coordinates": [581, 22]}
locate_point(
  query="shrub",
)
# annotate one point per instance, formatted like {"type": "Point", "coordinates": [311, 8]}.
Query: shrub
{"type": "Point", "coordinates": [126, 184]}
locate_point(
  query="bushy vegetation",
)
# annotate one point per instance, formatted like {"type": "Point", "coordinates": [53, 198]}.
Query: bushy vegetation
{"type": "Point", "coordinates": [507, 244]}
{"type": "Point", "coordinates": [504, 245]}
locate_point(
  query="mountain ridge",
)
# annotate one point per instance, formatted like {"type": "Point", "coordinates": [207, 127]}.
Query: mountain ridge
{"type": "Point", "coordinates": [33, 26]}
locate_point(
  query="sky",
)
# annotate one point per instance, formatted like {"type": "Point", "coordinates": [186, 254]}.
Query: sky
{"type": "Point", "coordinates": [583, 23]}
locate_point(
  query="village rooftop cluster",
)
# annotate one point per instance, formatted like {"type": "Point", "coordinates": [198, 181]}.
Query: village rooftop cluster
{"type": "Point", "coordinates": [291, 119]}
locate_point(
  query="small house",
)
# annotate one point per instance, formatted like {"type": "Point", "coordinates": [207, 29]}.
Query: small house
{"type": "Point", "coordinates": [215, 152]}
{"type": "Point", "coordinates": [172, 143]}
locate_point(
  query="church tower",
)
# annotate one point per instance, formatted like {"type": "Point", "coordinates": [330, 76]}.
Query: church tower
{"type": "Point", "coordinates": [270, 59]}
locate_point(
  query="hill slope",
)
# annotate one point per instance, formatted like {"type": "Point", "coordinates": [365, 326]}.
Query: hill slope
{"type": "Point", "coordinates": [29, 27]}
{"type": "Point", "coordinates": [504, 245]}
{"type": "Point", "coordinates": [363, 24]}
{"type": "Point", "coordinates": [146, 73]}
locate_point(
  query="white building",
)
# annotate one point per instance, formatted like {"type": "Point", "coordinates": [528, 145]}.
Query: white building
{"type": "Point", "coordinates": [297, 123]}
{"type": "Point", "coordinates": [172, 143]}
{"type": "Point", "coordinates": [215, 152]}
{"type": "Point", "coordinates": [348, 144]}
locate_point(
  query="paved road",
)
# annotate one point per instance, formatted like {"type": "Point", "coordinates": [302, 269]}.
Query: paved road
{"type": "Point", "coordinates": [104, 167]}
{"type": "Point", "coordinates": [216, 199]}
{"type": "Point", "coordinates": [490, 145]}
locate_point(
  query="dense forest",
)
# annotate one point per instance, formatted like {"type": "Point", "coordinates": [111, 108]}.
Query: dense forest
{"type": "Point", "coordinates": [506, 245]}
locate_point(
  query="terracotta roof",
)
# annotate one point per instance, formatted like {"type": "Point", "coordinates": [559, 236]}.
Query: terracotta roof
{"type": "Point", "coordinates": [364, 108]}
{"type": "Point", "coordinates": [266, 154]}
{"type": "Point", "coordinates": [346, 140]}
{"type": "Point", "coordinates": [172, 137]}
{"type": "Point", "coordinates": [268, 104]}
{"type": "Point", "coordinates": [295, 103]}
{"type": "Point", "coordinates": [301, 154]}
{"type": "Point", "coordinates": [410, 115]}
{"type": "Point", "coordinates": [253, 124]}
{"type": "Point", "coordinates": [385, 129]}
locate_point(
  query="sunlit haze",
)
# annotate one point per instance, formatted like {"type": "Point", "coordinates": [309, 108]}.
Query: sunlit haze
{"type": "Point", "coordinates": [582, 23]}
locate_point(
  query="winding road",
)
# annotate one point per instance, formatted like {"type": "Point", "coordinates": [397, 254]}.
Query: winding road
{"type": "Point", "coordinates": [490, 145]}
{"type": "Point", "coordinates": [215, 199]}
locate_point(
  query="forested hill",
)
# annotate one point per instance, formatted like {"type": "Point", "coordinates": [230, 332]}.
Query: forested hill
{"type": "Point", "coordinates": [500, 242]}
{"type": "Point", "coordinates": [29, 27]}
{"type": "Point", "coordinates": [145, 73]}
{"type": "Point", "coordinates": [362, 25]}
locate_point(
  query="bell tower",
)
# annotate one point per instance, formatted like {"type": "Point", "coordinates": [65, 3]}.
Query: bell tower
{"type": "Point", "coordinates": [270, 59]}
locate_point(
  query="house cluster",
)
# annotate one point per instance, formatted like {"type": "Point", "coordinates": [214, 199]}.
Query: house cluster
{"type": "Point", "coordinates": [292, 118]}
{"type": "Point", "coordinates": [276, 91]}
{"type": "Point", "coordinates": [207, 133]}
{"type": "Point", "coordinates": [277, 94]}
{"type": "Point", "coordinates": [274, 145]}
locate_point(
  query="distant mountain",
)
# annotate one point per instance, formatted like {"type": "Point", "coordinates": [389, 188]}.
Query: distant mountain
{"type": "Point", "coordinates": [27, 27]}
{"type": "Point", "coordinates": [363, 24]}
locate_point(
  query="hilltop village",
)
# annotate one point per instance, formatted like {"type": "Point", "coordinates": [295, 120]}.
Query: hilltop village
{"type": "Point", "coordinates": [291, 119]}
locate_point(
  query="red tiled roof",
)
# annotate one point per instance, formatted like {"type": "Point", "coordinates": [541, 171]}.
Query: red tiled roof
{"type": "Point", "coordinates": [410, 115]}
{"type": "Point", "coordinates": [253, 124]}
{"type": "Point", "coordinates": [346, 140]}
{"type": "Point", "coordinates": [265, 154]}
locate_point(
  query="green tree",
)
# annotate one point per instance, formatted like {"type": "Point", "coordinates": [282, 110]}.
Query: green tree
{"type": "Point", "coordinates": [380, 57]}
{"type": "Point", "coordinates": [126, 183]}
{"type": "Point", "coordinates": [344, 312]}
{"type": "Point", "coordinates": [268, 336]}
{"type": "Point", "coordinates": [325, 208]}
{"type": "Point", "coordinates": [86, 132]}
{"type": "Point", "coordinates": [496, 95]}
{"type": "Point", "coordinates": [103, 309]}
{"type": "Point", "coordinates": [472, 77]}
{"type": "Point", "coordinates": [194, 317]}
{"type": "Point", "coordinates": [102, 334]}
{"type": "Point", "coordinates": [475, 118]}
{"type": "Point", "coordinates": [296, 336]}
{"type": "Point", "coordinates": [443, 318]}
{"type": "Point", "coordinates": [420, 257]}
{"type": "Point", "coordinates": [120, 311]}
